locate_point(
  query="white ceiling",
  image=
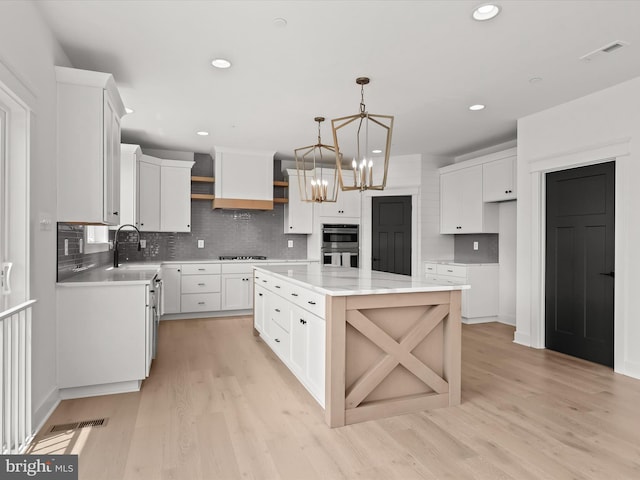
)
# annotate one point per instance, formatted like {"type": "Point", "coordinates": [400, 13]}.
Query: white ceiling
{"type": "Point", "coordinates": [427, 60]}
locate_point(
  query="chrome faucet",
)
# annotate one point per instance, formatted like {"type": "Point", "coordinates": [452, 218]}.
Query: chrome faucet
{"type": "Point", "coordinates": [115, 243]}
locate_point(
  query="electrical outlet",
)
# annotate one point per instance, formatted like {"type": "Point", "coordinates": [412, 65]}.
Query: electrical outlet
{"type": "Point", "coordinates": [66, 246]}
{"type": "Point", "coordinates": [143, 243]}
{"type": "Point", "coordinates": [290, 243]}
{"type": "Point", "coordinates": [80, 245]}
{"type": "Point", "coordinates": [475, 245]}
{"type": "Point", "coordinates": [200, 243]}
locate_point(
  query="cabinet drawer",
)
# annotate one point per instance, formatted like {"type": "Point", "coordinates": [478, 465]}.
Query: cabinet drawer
{"type": "Point", "coordinates": [281, 341]}
{"type": "Point", "coordinates": [307, 299]}
{"type": "Point", "coordinates": [200, 283]}
{"type": "Point", "coordinates": [279, 313]}
{"type": "Point", "coordinates": [446, 279]}
{"type": "Point", "coordinates": [200, 268]}
{"type": "Point", "coordinates": [200, 302]}
{"type": "Point", "coordinates": [452, 270]}
{"type": "Point", "coordinates": [430, 268]}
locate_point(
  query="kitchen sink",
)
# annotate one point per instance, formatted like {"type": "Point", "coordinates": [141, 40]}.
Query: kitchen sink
{"type": "Point", "coordinates": [137, 266]}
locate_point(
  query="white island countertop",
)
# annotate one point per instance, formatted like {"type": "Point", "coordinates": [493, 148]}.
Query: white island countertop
{"type": "Point", "coordinates": [343, 281]}
{"type": "Point", "coordinates": [132, 275]}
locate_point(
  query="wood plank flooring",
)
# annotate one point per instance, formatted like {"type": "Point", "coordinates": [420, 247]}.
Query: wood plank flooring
{"type": "Point", "coordinates": [220, 405]}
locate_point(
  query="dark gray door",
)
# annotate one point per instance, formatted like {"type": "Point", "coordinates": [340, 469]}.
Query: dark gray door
{"type": "Point", "coordinates": [391, 234]}
{"type": "Point", "coordinates": [579, 262]}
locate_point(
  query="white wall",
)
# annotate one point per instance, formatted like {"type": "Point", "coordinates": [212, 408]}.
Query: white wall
{"type": "Point", "coordinates": [507, 259]}
{"type": "Point", "coordinates": [29, 51]}
{"type": "Point", "coordinates": [591, 129]}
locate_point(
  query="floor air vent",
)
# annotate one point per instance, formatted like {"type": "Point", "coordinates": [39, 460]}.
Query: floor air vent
{"type": "Point", "coordinates": [65, 427]}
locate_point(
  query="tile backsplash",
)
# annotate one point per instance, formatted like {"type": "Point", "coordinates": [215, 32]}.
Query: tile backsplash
{"type": "Point", "coordinates": [487, 248]}
{"type": "Point", "coordinates": [224, 232]}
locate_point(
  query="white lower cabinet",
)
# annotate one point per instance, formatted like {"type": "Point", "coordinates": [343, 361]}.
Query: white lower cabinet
{"type": "Point", "coordinates": [104, 335]}
{"type": "Point", "coordinates": [481, 300]}
{"type": "Point", "coordinates": [171, 289]}
{"type": "Point", "coordinates": [200, 288]}
{"type": "Point", "coordinates": [286, 316]}
{"type": "Point", "coordinates": [237, 286]}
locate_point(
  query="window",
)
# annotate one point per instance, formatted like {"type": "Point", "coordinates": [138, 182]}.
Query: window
{"type": "Point", "coordinates": [96, 239]}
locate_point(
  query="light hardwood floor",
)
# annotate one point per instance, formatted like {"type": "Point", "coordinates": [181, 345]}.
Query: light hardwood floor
{"type": "Point", "coordinates": [220, 405]}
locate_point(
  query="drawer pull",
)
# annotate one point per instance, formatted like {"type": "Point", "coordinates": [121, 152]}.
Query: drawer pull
{"type": "Point", "coordinates": [200, 303]}
{"type": "Point", "coordinates": [201, 284]}
{"type": "Point", "coordinates": [278, 310]}
{"type": "Point", "coordinates": [264, 281]}
{"type": "Point", "coordinates": [311, 302]}
{"type": "Point", "coordinates": [294, 294]}
{"type": "Point", "coordinates": [303, 321]}
{"type": "Point", "coordinates": [202, 269]}
{"type": "Point", "coordinates": [277, 286]}
{"type": "Point", "coordinates": [259, 294]}
{"type": "Point", "coordinates": [450, 271]}
{"type": "Point", "coordinates": [277, 340]}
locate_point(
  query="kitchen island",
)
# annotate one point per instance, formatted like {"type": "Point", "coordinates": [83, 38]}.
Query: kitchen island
{"type": "Point", "coordinates": [365, 344]}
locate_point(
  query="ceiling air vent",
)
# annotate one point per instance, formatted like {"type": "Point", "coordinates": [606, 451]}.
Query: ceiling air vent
{"type": "Point", "coordinates": [608, 48]}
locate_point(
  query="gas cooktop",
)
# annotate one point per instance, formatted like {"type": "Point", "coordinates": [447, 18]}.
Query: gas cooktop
{"type": "Point", "coordinates": [242, 257]}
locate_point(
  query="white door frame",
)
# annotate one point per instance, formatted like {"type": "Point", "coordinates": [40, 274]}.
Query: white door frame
{"type": "Point", "coordinates": [618, 151]}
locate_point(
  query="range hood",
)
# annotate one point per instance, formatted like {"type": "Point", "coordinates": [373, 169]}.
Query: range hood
{"type": "Point", "coordinates": [244, 179]}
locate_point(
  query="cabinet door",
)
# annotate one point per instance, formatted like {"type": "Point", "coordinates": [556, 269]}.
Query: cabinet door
{"type": "Point", "coordinates": [236, 291]}
{"type": "Point", "coordinates": [129, 157]}
{"type": "Point", "coordinates": [298, 215]}
{"type": "Point", "coordinates": [347, 206]}
{"type": "Point", "coordinates": [148, 321]}
{"type": "Point", "coordinates": [299, 341]}
{"type": "Point", "coordinates": [175, 199]}
{"type": "Point", "coordinates": [111, 163]}
{"type": "Point", "coordinates": [149, 197]}
{"type": "Point", "coordinates": [259, 299]}
{"type": "Point", "coordinates": [170, 301]}
{"type": "Point", "coordinates": [461, 204]}
{"type": "Point", "coordinates": [316, 338]}
{"type": "Point", "coordinates": [499, 180]}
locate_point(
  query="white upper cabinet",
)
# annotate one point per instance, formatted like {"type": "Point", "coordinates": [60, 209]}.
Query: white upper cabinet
{"type": "Point", "coordinates": [175, 196]}
{"type": "Point", "coordinates": [346, 206]}
{"type": "Point", "coordinates": [462, 209]}
{"type": "Point", "coordinates": [499, 180]}
{"type": "Point", "coordinates": [129, 157]}
{"type": "Point", "coordinates": [298, 214]}
{"type": "Point", "coordinates": [244, 179]}
{"type": "Point", "coordinates": [89, 113]}
{"type": "Point", "coordinates": [148, 194]}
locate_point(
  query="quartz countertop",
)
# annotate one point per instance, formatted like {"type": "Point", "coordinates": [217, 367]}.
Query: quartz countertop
{"type": "Point", "coordinates": [127, 275]}
{"type": "Point", "coordinates": [268, 260]}
{"type": "Point", "coordinates": [343, 281]}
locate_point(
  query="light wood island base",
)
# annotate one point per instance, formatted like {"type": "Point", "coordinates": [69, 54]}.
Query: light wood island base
{"type": "Point", "coordinates": [391, 354]}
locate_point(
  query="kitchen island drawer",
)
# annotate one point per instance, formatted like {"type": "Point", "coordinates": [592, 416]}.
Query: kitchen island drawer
{"type": "Point", "coordinates": [200, 283]}
{"type": "Point", "coordinates": [200, 302]}
{"type": "Point", "coordinates": [304, 298]}
{"type": "Point", "coordinates": [200, 268]}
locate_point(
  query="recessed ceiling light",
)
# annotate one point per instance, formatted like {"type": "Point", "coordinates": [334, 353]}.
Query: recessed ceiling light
{"type": "Point", "coordinates": [279, 22]}
{"type": "Point", "coordinates": [202, 133]}
{"type": "Point", "coordinates": [476, 107]}
{"type": "Point", "coordinates": [376, 151]}
{"type": "Point", "coordinates": [129, 110]}
{"type": "Point", "coordinates": [486, 11]}
{"type": "Point", "coordinates": [221, 63]}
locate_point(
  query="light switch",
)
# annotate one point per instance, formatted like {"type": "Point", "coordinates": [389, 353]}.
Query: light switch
{"type": "Point", "coordinates": [475, 245]}
{"type": "Point", "coordinates": [200, 243]}
{"type": "Point", "coordinates": [290, 243]}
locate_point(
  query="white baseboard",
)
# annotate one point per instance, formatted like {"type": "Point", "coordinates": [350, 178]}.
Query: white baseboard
{"type": "Point", "coordinates": [507, 320]}
{"type": "Point", "coordinates": [194, 315]}
{"type": "Point", "coordinates": [45, 409]}
{"type": "Point", "coordinates": [473, 321]}
{"type": "Point", "coordinates": [522, 339]}
{"type": "Point", "coordinates": [630, 369]}
{"type": "Point", "coordinates": [95, 390]}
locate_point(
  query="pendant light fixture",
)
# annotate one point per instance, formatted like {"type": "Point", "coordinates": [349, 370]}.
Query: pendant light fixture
{"type": "Point", "coordinates": [317, 183]}
{"type": "Point", "coordinates": [364, 138]}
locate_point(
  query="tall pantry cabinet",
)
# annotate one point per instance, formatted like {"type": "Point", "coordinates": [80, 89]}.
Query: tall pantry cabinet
{"type": "Point", "coordinates": [89, 113]}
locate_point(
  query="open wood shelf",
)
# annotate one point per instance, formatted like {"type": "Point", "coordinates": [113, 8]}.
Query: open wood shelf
{"type": "Point", "coordinates": [202, 196]}
{"type": "Point", "coordinates": [280, 200]}
{"type": "Point", "coordinates": [203, 179]}
{"type": "Point", "coordinates": [280, 183]}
